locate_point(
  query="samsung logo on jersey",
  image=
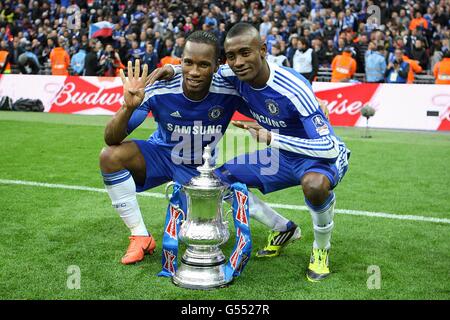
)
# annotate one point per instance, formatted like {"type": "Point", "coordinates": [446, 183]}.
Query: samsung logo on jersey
{"type": "Point", "coordinates": [268, 121]}
{"type": "Point", "coordinates": [196, 129]}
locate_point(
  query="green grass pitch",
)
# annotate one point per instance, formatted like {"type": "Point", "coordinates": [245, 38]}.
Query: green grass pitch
{"type": "Point", "coordinates": [45, 230]}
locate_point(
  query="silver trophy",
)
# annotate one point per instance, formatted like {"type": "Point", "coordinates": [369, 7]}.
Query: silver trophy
{"type": "Point", "coordinates": [203, 231]}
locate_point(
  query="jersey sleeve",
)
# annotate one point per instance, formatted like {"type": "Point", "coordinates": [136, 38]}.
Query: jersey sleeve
{"type": "Point", "coordinates": [176, 69]}
{"type": "Point", "coordinates": [321, 144]}
{"type": "Point", "coordinates": [139, 115]}
{"type": "Point", "coordinates": [228, 75]}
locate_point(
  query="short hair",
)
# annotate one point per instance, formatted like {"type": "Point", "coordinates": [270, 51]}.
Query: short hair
{"type": "Point", "coordinates": [240, 29]}
{"type": "Point", "coordinates": [206, 38]}
{"type": "Point", "coordinates": [304, 41]}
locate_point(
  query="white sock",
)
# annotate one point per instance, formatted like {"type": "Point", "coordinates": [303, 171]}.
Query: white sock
{"type": "Point", "coordinates": [261, 212]}
{"type": "Point", "coordinates": [323, 224]}
{"type": "Point", "coordinates": [122, 191]}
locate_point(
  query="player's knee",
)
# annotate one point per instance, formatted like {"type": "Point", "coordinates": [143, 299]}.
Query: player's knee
{"type": "Point", "coordinates": [110, 159]}
{"type": "Point", "coordinates": [316, 188]}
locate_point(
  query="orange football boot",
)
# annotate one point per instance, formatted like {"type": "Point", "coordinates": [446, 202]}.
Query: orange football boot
{"type": "Point", "coordinates": [139, 246]}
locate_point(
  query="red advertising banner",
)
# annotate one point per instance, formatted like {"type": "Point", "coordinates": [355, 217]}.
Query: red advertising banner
{"type": "Point", "coordinates": [398, 106]}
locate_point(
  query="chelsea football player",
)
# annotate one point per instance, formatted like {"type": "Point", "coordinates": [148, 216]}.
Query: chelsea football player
{"type": "Point", "coordinates": [192, 110]}
{"type": "Point", "coordinates": [291, 121]}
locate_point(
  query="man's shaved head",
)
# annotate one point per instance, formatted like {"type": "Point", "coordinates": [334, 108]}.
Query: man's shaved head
{"type": "Point", "coordinates": [240, 29]}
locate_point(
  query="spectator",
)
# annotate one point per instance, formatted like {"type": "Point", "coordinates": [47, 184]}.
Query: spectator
{"type": "Point", "coordinates": [167, 48]}
{"type": "Point", "coordinates": [305, 60]}
{"type": "Point", "coordinates": [329, 31]}
{"type": "Point", "coordinates": [414, 68]}
{"type": "Point", "coordinates": [124, 49]}
{"type": "Point", "coordinates": [419, 53]}
{"type": "Point", "coordinates": [404, 20]}
{"type": "Point", "coordinates": [99, 49]}
{"type": "Point", "coordinates": [330, 52]}
{"type": "Point", "coordinates": [110, 62]}
{"type": "Point", "coordinates": [74, 46]}
{"type": "Point", "coordinates": [59, 60]}
{"type": "Point", "coordinates": [28, 62]}
{"type": "Point", "coordinates": [418, 22]}
{"type": "Point", "coordinates": [77, 62]}
{"type": "Point", "coordinates": [5, 58]}
{"type": "Point", "coordinates": [135, 52]}
{"type": "Point", "coordinates": [91, 63]}
{"type": "Point", "coordinates": [441, 70]}
{"type": "Point", "coordinates": [290, 51]}
{"type": "Point", "coordinates": [211, 20]}
{"type": "Point", "coordinates": [273, 38]}
{"type": "Point", "coordinates": [264, 28]}
{"type": "Point", "coordinates": [436, 52]}
{"type": "Point", "coordinates": [292, 7]}
{"type": "Point", "coordinates": [320, 51]}
{"type": "Point", "coordinates": [150, 57]}
{"type": "Point", "coordinates": [276, 56]}
{"type": "Point", "coordinates": [375, 64]}
{"type": "Point", "coordinates": [17, 49]}
{"type": "Point", "coordinates": [362, 47]}
{"type": "Point", "coordinates": [397, 69]}
{"type": "Point", "coordinates": [179, 46]}
{"type": "Point", "coordinates": [343, 66]}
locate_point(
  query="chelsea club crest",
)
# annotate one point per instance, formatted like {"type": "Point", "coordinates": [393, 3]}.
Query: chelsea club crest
{"type": "Point", "coordinates": [215, 113]}
{"type": "Point", "coordinates": [272, 106]}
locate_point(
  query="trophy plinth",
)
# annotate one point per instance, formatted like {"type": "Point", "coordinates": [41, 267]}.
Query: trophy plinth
{"type": "Point", "coordinates": [204, 231]}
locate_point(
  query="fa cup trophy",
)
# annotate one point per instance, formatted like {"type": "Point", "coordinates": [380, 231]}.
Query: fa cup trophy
{"type": "Point", "coordinates": [203, 231]}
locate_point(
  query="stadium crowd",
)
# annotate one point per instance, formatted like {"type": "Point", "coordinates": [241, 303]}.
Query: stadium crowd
{"type": "Point", "coordinates": [392, 43]}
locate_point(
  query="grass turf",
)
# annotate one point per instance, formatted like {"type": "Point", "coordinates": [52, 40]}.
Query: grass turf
{"type": "Point", "coordinates": [44, 231]}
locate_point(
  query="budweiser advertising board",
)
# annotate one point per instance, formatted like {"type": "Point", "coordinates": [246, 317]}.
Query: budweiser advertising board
{"type": "Point", "coordinates": [398, 106]}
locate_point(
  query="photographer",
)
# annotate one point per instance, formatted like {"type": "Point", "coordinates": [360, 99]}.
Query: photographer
{"type": "Point", "coordinates": [397, 69]}
{"type": "Point", "coordinates": [110, 62]}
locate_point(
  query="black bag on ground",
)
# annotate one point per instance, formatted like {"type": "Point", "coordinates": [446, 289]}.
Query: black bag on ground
{"type": "Point", "coordinates": [6, 103]}
{"type": "Point", "coordinates": [35, 105]}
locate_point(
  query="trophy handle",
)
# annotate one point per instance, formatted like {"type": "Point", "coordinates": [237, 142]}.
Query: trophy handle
{"type": "Point", "coordinates": [227, 194]}
{"type": "Point", "coordinates": [170, 184]}
{"type": "Point", "coordinates": [225, 218]}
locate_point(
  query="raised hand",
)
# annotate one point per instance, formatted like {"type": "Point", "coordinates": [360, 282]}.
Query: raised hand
{"type": "Point", "coordinates": [133, 85]}
{"type": "Point", "coordinates": [257, 132]}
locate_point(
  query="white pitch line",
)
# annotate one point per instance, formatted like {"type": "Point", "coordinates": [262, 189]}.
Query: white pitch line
{"type": "Point", "coordinates": [273, 205]}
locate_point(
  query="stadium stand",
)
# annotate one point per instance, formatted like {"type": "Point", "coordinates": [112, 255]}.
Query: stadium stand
{"type": "Point", "coordinates": [420, 28]}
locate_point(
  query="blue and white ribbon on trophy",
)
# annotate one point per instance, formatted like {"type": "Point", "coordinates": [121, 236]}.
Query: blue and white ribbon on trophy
{"type": "Point", "coordinates": [176, 213]}
{"type": "Point", "coordinates": [241, 217]}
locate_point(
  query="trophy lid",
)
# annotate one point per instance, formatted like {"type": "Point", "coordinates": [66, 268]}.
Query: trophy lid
{"type": "Point", "coordinates": [207, 179]}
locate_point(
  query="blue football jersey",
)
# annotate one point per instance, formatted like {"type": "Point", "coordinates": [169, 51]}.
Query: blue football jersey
{"type": "Point", "coordinates": [184, 125]}
{"type": "Point", "coordinates": [288, 108]}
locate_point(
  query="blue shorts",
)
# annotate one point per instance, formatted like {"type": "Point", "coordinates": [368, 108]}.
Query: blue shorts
{"type": "Point", "coordinates": [270, 170]}
{"type": "Point", "coordinates": [160, 167]}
